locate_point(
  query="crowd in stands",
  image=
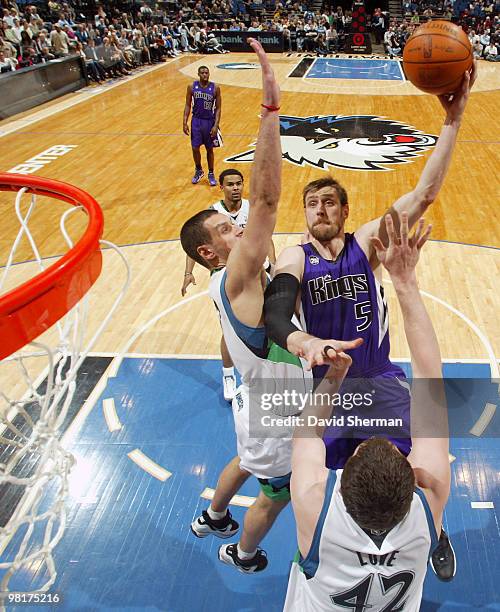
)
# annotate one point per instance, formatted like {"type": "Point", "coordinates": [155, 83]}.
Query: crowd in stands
{"type": "Point", "coordinates": [478, 18]}
{"type": "Point", "coordinates": [112, 43]}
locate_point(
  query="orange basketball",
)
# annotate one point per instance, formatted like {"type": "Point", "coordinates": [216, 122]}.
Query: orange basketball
{"type": "Point", "coordinates": [436, 57]}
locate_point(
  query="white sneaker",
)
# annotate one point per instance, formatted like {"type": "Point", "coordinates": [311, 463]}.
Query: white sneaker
{"type": "Point", "coordinates": [225, 527]}
{"type": "Point", "coordinates": [229, 384]}
{"type": "Point", "coordinates": [228, 554]}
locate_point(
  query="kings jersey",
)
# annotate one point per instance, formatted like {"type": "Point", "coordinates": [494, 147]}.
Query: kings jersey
{"type": "Point", "coordinates": [343, 300]}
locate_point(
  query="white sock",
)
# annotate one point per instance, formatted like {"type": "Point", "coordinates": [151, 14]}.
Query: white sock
{"type": "Point", "coordinates": [245, 555]}
{"type": "Point", "coordinates": [228, 371]}
{"type": "Point", "coordinates": [215, 516]}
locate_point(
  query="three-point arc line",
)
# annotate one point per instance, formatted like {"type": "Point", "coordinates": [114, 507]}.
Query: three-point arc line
{"type": "Point", "coordinates": [161, 473]}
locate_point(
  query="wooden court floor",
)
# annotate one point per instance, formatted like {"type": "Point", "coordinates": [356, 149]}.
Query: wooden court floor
{"type": "Point", "coordinates": [125, 146]}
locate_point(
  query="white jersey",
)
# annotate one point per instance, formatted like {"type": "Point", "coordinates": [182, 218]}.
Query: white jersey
{"type": "Point", "coordinates": [263, 366]}
{"type": "Point", "coordinates": [239, 217]}
{"type": "Point", "coordinates": [347, 569]}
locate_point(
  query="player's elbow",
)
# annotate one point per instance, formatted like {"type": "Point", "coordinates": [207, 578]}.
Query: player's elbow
{"type": "Point", "coordinates": [267, 202]}
{"type": "Point", "coordinates": [274, 320]}
{"type": "Point", "coordinates": [425, 197]}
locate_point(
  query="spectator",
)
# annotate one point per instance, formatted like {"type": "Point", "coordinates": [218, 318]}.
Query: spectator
{"type": "Point", "coordinates": [477, 49]}
{"type": "Point", "coordinates": [94, 68]}
{"type": "Point", "coordinates": [301, 35]}
{"type": "Point", "coordinates": [54, 8]}
{"type": "Point", "coordinates": [96, 55]}
{"type": "Point", "coordinates": [347, 21]}
{"type": "Point", "coordinates": [59, 41]}
{"type": "Point", "coordinates": [112, 59]}
{"type": "Point", "coordinates": [321, 47]}
{"type": "Point", "coordinates": [64, 22]}
{"type": "Point", "coordinates": [391, 43]}
{"type": "Point", "coordinates": [139, 45]}
{"type": "Point", "coordinates": [41, 42]}
{"type": "Point", "coordinates": [184, 41]}
{"type": "Point", "coordinates": [287, 38]}
{"type": "Point", "coordinates": [378, 26]}
{"type": "Point", "coordinates": [26, 41]}
{"type": "Point", "coordinates": [332, 39]}
{"type": "Point", "coordinates": [7, 64]}
{"type": "Point", "coordinates": [339, 19]}
{"type": "Point", "coordinates": [310, 41]}
{"type": "Point", "coordinates": [82, 34]}
{"type": "Point", "coordinates": [485, 38]}
{"type": "Point", "coordinates": [213, 45]}
{"type": "Point", "coordinates": [8, 19]}
{"type": "Point", "coordinates": [72, 39]}
{"type": "Point", "coordinates": [25, 60]}
{"type": "Point", "coordinates": [491, 53]}
{"type": "Point", "coordinates": [11, 36]}
{"type": "Point", "coordinates": [45, 56]}
{"type": "Point", "coordinates": [8, 49]}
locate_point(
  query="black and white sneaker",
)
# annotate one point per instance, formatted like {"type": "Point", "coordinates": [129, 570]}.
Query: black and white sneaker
{"type": "Point", "coordinates": [222, 528]}
{"type": "Point", "coordinates": [443, 561]}
{"type": "Point", "coordinates": [228, 554]}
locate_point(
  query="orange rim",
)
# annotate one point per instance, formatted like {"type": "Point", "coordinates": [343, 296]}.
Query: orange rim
{"type": "Point", "coordinates": [30, 309]}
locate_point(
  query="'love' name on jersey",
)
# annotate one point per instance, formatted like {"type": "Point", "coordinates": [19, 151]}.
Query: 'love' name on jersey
{"type": "Point", "coordinates": [386, 560]}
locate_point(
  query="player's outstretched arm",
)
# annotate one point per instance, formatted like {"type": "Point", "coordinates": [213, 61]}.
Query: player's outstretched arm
{"type": "Point", "coordinates": [248, 256]}
{"type": "Point", "coordinates": [429, 419]}
{"type": "Point", "coordinates": [417, 201]}
{"type": "Point", "coordinates": [309, 473]}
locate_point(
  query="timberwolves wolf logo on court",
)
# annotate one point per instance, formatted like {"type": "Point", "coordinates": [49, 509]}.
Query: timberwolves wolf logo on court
{"type": "Point", "coordinates": [356, 142]}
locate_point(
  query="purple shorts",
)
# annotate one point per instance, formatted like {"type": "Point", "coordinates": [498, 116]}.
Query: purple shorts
{"type": "Point", "coordinates": [200, 133]}
{"type": "Point", "coordinates": [388, 413]}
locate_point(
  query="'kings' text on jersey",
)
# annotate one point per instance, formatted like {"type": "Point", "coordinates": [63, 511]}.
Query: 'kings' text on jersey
{"type": "Point", "coordinates": [343, 300]}
{"type": "Point", "coordinates": [203, 101]}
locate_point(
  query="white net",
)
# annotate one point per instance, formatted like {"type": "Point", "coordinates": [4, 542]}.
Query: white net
{"type": "Point", "coordinates": [37, 389]}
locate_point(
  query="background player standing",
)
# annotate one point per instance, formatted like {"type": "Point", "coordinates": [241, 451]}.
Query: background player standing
{"type": "Point", "coordinates": [236, 208]}
{"type": "Point", "coordinates": [205, 98]}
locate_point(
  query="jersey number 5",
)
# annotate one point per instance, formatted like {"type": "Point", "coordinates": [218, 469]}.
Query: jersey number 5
{"type": "Point", "coordinates": [356, 598]}
{"type": "Point", "coordinates": [364, 314]}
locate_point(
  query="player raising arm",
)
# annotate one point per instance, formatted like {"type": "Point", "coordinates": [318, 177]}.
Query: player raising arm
{"type": "Point", "coordinates": [417, 201]}
{"type": "Point", "coordinates": [235, 259]}
{"type": "Point", "coordinates": [333, 283]}
{"type": "Point", "coordinates": [297, 285]}
{"type": "Point", "coordinates": [366, 532]}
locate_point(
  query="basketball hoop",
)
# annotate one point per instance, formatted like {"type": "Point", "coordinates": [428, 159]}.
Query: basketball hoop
{"type": "Point", "coordinates": [42, 328]}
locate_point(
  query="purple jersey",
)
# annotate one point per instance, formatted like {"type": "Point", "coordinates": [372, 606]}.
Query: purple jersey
{"type": "Point", "coordinates": [342, 300]}
{"type": "Point", "coordinates": [203, 101]}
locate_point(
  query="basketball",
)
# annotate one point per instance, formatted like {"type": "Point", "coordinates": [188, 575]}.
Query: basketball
{"type": "Point", "coordinates": [436, 57]}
